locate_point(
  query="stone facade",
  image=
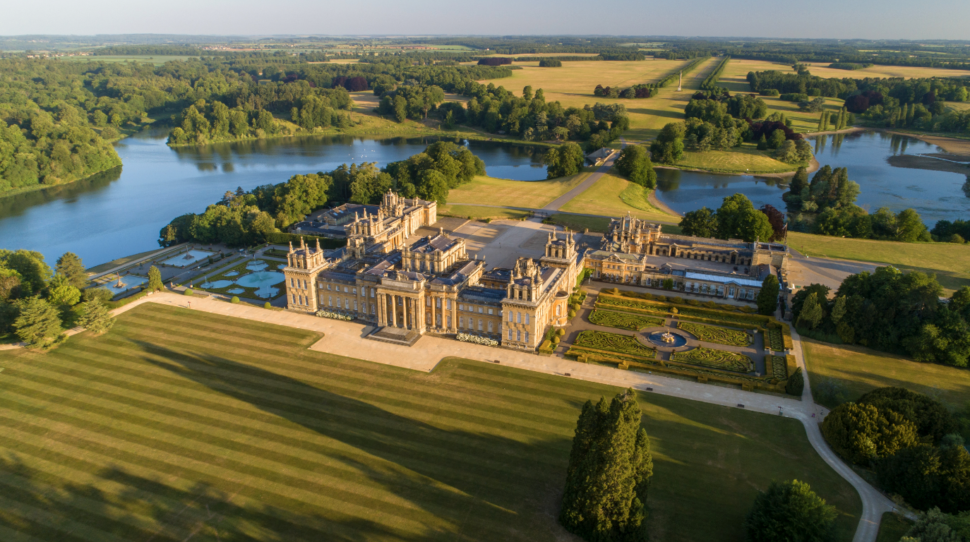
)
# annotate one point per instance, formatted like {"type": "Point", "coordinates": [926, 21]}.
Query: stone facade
{"type": "Point", "coordinates": [431, 285]}
{"type": "Point", "coordinates": [637, 252]}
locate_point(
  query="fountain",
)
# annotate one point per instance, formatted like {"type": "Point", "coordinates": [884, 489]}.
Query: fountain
{"type": "Point", "coordinates": [120, 284]}
{"type": "Point", "coordinates": [667, 339]}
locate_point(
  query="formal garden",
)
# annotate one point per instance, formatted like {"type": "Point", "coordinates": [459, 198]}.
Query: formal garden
{"type": "Point", "coordinates": [251, 278]}
{"type": "Point", "coordinates": [706, 341]}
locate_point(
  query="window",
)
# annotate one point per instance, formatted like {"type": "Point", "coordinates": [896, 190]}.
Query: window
{"type": "Point", "coordinates": [328, 287]}
{"type": "Point", "coordinates": [527, 318]}
{"type": "Point", "coordinates": [510, 318]}
{"type": "Point", "coordinates": [490, 311]}
{"type": "Point", "coordinates": [427, 302]}
{"type": "Point", "coordinates": [448, 304]}
{"type": "Point", "coordinates": [518, 317]}
{"type": "Point", "coordinates": [480, 310]}
{"type": "Point", "coordinates": [355, 290]}
{"type": "Point", "coordinates": [489, 326]}
{"type": "Point", "coordinates": [461, 321]}
{"type": "Point", "coordinates": [480, 324]}
{"type": "Point", "coordinates": [372, 292]}
{"type": "Point", "coordinates": [449, 321]}
{"type": "Point", "coordinates": [304, 285]}
{"type": "Point", "coordinates": [355, 305]}
{"type": "Point", "coordinates": [346, 290]}
{"type": "Point", "coordinates": [526, 336]}
{"type": "Point", "coordinates": [292, 285]}
{"type": "Point", "coordinates": [557, 309]}
{"type": "Point", "coordinates": [330, 300]}
{"type": "Point", "coordinates": [510, 334]}
{"type": "Point", "coordinates": [461, 307]}
{"type": "Point", "coordinates": [346, 304]}
{"type": "Point", "coordinates": [437, 302]}
{"type": "Point", "coordinates": [518, 335]}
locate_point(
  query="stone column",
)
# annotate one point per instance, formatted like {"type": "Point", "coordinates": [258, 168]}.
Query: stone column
{"type": "Point", "coordinates": [434, 318]}
{"type": "Point", "coordinates": [393, 310]}
{"type": "Point", "coordinates": [380, 310]}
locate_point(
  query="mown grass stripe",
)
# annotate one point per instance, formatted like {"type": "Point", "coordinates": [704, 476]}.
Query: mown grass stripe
{"type": "Point", "coordinates": [10, 534]}
{"type": "Point", "coordinates": [51, 525]}
{"type": "Point", "coordinates": [265, 486]}
{"type": "Point", "coordinates": [229, 440]}
{"type": "Point", "coordinates": [242, 506]}
{"type": "Point", "coordinates": [465, 450]}
{"type": "Point", "coordinates": [80, 509]}
{"type": "Point", "coordinates": [230, 376]}
{"type": "Point", "coordinates": [244, 460]}
{"type": "Point", "coordinates": [523, 410]}
{"type": "Point", "coordinates": [186, 318]}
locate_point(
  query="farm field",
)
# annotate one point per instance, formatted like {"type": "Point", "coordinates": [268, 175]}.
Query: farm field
{"type": "Point", "coordinates": [157, 60]}
{"type": "Point", "coordinates": [907, 72]}
{"type": "Point", "coordinates": [573, 85]}
{"type": "Point", "coordinates": [950, 262]}
{"type": "Point", "coordinates": [614, 196]}
{"type": "Point", "coordinates": [181, 425]}
{"type": "Point", "coordinates": [474, 212]}
{"type": "Point", "coordinates": [860, 370]}
{"type": "Point", "coordinates": [532, 194]}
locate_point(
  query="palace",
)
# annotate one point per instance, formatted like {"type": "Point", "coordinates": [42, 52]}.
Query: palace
{"type": "Point", "coordinates": [431, 285]}
{"type": "Point", "coordinates": [407, 288]}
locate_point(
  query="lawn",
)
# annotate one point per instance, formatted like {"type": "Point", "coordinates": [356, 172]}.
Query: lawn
{"type": "Point", "coordinates": [595, 223]}
{"type": "Point", "coordinates": [744, 159]}
{"type": "Point", "coordinates": [473, 212]}
{"type": "Point", "coordinates": [615, 196]}
{"type": "Point", "coordinates": [179, 425]}
{"type": "Point", "coordinates": [860, 370]}
{"type": "Point", "coordinates": [530, 194]}
{"type": "Point", "coordinates": [893, 527]}
{"type": "Point", "coordinates": [950, 262]}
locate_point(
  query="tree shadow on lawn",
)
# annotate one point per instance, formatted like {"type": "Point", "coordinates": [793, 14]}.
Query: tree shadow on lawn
{"type": "Point", "coordinates": [48, 507]}
{"type": "Point", "coordinates": [854, 379]}
{"type": "Point", "coordinates": [460, 478]}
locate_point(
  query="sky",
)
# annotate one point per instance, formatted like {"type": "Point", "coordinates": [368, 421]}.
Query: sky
{"type": "Point", "coordinates": [841, 19]}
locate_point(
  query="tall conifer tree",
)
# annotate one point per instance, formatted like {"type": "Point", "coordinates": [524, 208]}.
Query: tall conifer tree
{"type": "Point", "coordinates": [609, 470]}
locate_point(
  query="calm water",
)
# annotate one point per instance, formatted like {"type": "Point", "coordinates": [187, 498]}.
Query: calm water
{"type": "Point", "coordinates": [935, 195]}
{"type": "Point", "coordinates": [120, 212]}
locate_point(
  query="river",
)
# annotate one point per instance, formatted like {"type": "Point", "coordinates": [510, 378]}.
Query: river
{"type": "Point", "coordinates": [120, 212]}
{"type": "Point", "coordinates": [935, 195]}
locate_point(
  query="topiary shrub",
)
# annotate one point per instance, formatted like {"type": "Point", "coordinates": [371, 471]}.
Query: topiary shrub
{"type": "Point", "coordinates": [555, 339]}
{"type": "Point", "coordinates": [267, 305]}
{"type": "Point", "coordinates": [572, 313]}
{"type": "Point", "coordinates": [235, 299]}
{"type": "Point", "coordinates": [560, 332]}
{"type": "Point", "coordinates": [188, 291]}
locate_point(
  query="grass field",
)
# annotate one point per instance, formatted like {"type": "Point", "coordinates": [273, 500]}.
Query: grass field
{"type": "Point", "coordinates": [573, 85]}
{"type": "Point", "coordinates": [615, 196]}
{"type": "Point", "coordinates": [532, 194]}
{"type": "Point", "coordinates": [481, 213]}
{"type": "Point", "coordinates": [744, 159]}
{"type": "Point", "coordinates": [178, 425]}
{"type": "Point", "coordinates": [893, 527]}
{"type": "Point", "coordinates": [950, 262]}
{"type": "Point", "coordinates": [596, 223]}
{"type": "Point", "coordinates": [861, 370]}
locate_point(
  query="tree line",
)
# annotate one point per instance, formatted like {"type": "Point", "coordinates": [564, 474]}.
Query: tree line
{"type": "Point", "coordinates": [247, 218]}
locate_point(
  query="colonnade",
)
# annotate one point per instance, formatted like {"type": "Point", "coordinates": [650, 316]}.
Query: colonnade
{"type": "Point", "coordinates": [411, 313]}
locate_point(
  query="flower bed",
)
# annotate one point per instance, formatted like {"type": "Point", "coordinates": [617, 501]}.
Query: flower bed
{"type": "Point", "coordinates": [717, 359]}
{"type": "Point", "coordinates": [775, 339]}
{"type": "Point", "coordinates": [719, 335]}
{"type": "Point", "coordinates": [468, 338]}
{"type": "Point", "coordinates": [777, 367]}
{"type": "Point", "coordinates": [612, 342]}
{"type": "Point", "coordinates": [334, 315]}
{"type": "Point", "coordinates": [623, 320]}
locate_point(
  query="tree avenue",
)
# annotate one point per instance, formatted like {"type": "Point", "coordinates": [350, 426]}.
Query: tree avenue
{"type": "Point", "coordinates": [609, 471]}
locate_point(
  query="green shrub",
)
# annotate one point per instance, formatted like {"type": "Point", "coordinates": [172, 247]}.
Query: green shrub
{"type": "Point", "coordinates": [267, 305]}
{"type": "Point", "coordinates": [747, 310]}
{"type": "Point", "coordinates": [555, 339]}
{"type": "Point", "coordinates": [719, 335]}
{"type": "Point", "coordinates": [694, 302]}
{"type": "Point", "coordinates": [795, 384]}
{"type": "Point", "coordinates": [716, 359]}
{"type": "Point", "coordinates": [623, 320]}
{"type": "Point", "coordinates": [572, 313]}
{"type": "Point", "coordinates": [235, 299]}
{"type": "Point", "coordinates": [769, 92]}
{"type": "Point", "coordinates": [677, 300]}
{"type": "Point", "coordinates": [560, 332]}
{"type": "Point", "coordinates": [188, 291]}
{"type": "Point", "coordinates": [612, 342]}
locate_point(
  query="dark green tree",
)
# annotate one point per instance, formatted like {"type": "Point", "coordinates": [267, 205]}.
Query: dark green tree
{"type": "Point", "coordinates": [95, 317]}
{"type": "Point", "coordinates": [155, 283]}
{"type": "Point", "coordinates": [699, 223]}
{"type": "Point", "coordinates": [69, 265]}
{"type": "Point", "coordinates": [39, 324]}
{"type": "Point", "coordinates": [767, 299]}
{"type": "Point", "coordinates": [812, 313]}
{"type": "Point", "coordinates": [609, 470]}
{"type": "Point", "coordinates": [796, 383]}
{"type": "Point", "coordinates": [792, 512]}
{"type": "Point", "coordinates": [634, 164]}
{"type": "Point", "coordinates": [564, 160]}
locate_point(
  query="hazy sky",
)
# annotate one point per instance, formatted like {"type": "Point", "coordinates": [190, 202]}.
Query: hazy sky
{"type": "Point", "coordinates": [889, 19]}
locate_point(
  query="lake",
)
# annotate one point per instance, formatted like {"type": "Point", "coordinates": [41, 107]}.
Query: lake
{"type": "Point", "coordinates": [935, 195]}
{"type": "Point", "coordinates": [120, 212]}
